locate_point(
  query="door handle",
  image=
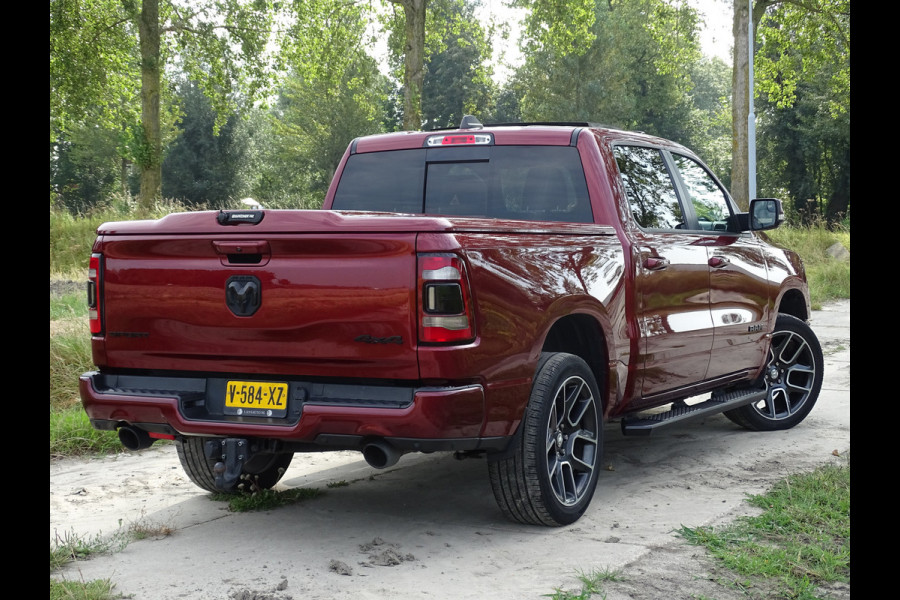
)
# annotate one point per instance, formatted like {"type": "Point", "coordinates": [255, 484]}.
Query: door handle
{"type": "Point", "coordinates": [717, 262]}
{"type": "Point", "coordinates": [655, 263]}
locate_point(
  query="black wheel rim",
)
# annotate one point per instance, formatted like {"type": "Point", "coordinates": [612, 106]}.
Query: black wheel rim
{"type": "Point", "coordinates": [790, 376]}
{"type": "Point", "coordinates": [571, 444]}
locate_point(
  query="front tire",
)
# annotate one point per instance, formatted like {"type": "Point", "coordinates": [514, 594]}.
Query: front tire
{"type": "Point", "coordinates": [550, 477]}
{"type": "Point", "coordinates": [264, 470]}
{"type": "Point", "coordinates": [793, 376]}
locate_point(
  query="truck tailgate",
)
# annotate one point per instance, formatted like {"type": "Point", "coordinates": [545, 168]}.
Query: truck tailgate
{"type": "Point", "coordinates": [256, 300]}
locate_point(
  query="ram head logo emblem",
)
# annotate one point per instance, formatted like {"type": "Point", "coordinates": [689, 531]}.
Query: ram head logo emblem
{"type": "Point", "coordinates": [243, 295]}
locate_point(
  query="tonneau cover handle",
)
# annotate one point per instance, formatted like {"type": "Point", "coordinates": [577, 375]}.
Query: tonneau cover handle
{"type": "Point", "coordinates": [236, 217]}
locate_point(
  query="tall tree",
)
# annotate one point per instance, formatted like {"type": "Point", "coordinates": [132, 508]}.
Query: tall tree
{"type": "Point", "coordinates": [200, 166]}
{"type": "Point", "coordinates": [819, 30]}
{"type": "Point", "coordinates": [744, 11]}
{"type": "Point", "coordinates": [316, 120]}
{"type": "Point", "coordinates": [419, 30]}
{"type": "Point", "coordinates": [631, 71]}
{"type": "Point", "coordinates": [457, 79]}
{"type": "Point", "coordinates": [84, 167]}
{"type": "Point", "coordinates": [121, 46]}
{"type": "Point", "coordinates": [414, 14]}
{"type": "Point", "coordinates": [804, 119]}
{"type": "Point", "coordinates": [711, 134]}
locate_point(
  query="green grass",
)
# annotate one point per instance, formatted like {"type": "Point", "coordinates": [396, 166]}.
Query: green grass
{"type": "Point", "coordinates": [798, 546]}
{"type": "Point", "coordinates": [98, 589]}
{"type": "Point", "coordinates": [70, 356]}
{"type": "Point", "coordinates": [69, 547]}
{"type": "Point", "coordinates": [591, 583]}
{"type": "Point", "coordinates": [257, 499]}
{"type": "Point", "coordinates": [829, 278]}
{"type": "Point", "coordinates": [71, 434]}
{"type": "Point", "coordinates": [71, 236]}
{"type": "Point", "coordinates": [69, 307]}
{"type": "Point", "coordinates": [800, 542]}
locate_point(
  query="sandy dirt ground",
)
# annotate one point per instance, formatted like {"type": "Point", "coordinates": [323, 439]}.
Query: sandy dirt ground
{"type": "Point", "coordinates": [429, 527]}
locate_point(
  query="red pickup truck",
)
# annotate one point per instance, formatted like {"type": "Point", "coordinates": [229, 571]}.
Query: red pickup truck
{"type": "Point", "coordinates": [494, 290]}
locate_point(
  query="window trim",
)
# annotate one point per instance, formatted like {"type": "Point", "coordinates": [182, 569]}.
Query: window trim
{"type": "Point", "coordinates": [682, 191]}
{"type": "Point", "coordinates": [669, 165]}
{"type": "Point", "coordinates": [687, 208]}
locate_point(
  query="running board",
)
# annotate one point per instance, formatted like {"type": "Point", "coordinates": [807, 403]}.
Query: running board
{"type": "Point", "coordinates": [640, 424]}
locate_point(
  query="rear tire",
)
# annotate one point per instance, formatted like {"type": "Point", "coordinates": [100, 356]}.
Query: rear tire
{"type": "Point", "coordinates": [263, 469]}
{"type": "Point", "coordinates": [550, 477]}
{"type": "Point", "coordinates": [793, 376]}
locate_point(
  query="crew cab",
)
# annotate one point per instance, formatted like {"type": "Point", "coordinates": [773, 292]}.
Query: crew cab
{"type": "Point", "coordinates": [502, 290]}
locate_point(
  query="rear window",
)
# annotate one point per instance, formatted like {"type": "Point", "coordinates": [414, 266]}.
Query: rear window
{"type": "Point", "coordinates": [536, 183]}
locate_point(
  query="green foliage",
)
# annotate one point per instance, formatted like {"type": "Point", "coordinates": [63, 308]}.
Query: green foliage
{"type": "Point", "coordinates": [325, 39]}
{"type": "Point", "coordinates": [69, 546]}
{"type": "Point", "coordinates": [457, 79]}
{"type": "Point", "coordinates": [709, 132]}
{"type": "Point", "coordinates": [562, 27]}
{"type": "Point", "coordinates": [803, 83]}
{"type": "Point", "coordinates": [630, 75]}
{"type": "Point", "coordinates": [71, 239]}
{"type": "Point", "coordinates": [85, 167]}
{"type": "Point", "coordinates": [103, 52]}
{"type": "Point", "coordinates": [455, 44]}
{"type": "Point", "coordinates": [70, 307]}
{"type": "Point", "coordinates": [94, 70]}
{"type": "Point", "coordinates": [800, 541]}
{"type": "Point", "coordinates": [316, 119]}
{"type": "Point", "coordinates": [202, 167]}
{"type": "Point", "coordinates": [799, 40]}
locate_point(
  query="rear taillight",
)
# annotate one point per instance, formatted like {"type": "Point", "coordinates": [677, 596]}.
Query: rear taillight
{"type": "Point", "coordinates": [94, 298]}
{"type": "Point", "coordinates": [445, 305]}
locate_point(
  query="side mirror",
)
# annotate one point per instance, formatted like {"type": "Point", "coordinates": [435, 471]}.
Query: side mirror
{"type": "Point", "coordinates": [765, 213]}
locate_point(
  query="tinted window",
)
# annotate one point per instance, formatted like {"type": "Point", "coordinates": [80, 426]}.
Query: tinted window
{"type": "Point", "coordinates": [388, 181]}
{"type": "Point", "coordinates": [649, 188]}
{"type": "Point", "coordinates": [707, 198]}
{"type": "Point", "coordinates": [512, 182]}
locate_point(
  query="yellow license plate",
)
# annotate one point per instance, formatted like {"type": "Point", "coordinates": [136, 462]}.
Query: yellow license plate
{"type": "Point", "coordinates": [256, 398]}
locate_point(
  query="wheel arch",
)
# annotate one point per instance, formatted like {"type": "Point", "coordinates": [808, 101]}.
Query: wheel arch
{"type": "Point", "coordinates": [582, 335]}
{"type": "Point", "coordinates": [795, 303]}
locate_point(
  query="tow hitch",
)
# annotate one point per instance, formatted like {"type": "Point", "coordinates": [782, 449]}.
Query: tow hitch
{"type": "Point", "coordinates": [230, 455]}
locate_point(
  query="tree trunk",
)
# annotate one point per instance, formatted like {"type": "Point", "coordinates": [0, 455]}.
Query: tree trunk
{"type": "Point", "coordinates": [414, 62]}
{"type": "Point", "coordinates": [740, 106]}
{"type": "Point", "coordinates": [740, 96]}
{"type": "Point", "coordinates": [150, 163]}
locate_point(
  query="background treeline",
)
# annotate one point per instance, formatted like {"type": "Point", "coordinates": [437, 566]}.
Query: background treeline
{"type": "Point", "coordinates": [338, 73]}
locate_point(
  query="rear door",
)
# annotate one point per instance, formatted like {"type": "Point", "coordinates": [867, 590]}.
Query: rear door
{"type": "Point", "coordinates": [671, 275]}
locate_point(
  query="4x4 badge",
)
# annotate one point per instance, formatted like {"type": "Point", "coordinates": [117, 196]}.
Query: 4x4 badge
{"type": "Point", "coordinates": [243, 295]}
